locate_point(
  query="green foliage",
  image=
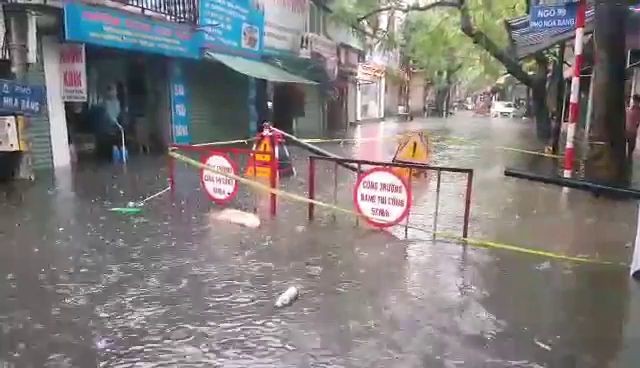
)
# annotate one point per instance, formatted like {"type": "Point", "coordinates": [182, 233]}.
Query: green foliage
{"type": "Point", "coordinates": [433, 40]}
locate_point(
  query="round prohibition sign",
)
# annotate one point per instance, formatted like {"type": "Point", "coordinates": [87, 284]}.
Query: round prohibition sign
{"type": "Point", "coordinates": [220, 189]}
{"type": "Point", "coordinates": [382, 197]}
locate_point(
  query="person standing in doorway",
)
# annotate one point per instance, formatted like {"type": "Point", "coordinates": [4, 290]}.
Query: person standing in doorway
{"type": "Point", "coordinates": [108, 132]}
{"type": "Point", "coordinates": [633, 120]}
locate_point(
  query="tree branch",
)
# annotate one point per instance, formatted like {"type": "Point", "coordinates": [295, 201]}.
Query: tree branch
{"type": "Point", "coordinates": [411, 8]}
{"type": "Point", "coordinates": [480, 38]}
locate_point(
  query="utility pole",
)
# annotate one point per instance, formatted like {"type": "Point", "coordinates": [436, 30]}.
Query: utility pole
{"type": "Point", "coordinates": [607, 159]}
{"type": "Point", "coordinates": [17, 19]}
{"type": "Point", "coordinates": [574, 99]}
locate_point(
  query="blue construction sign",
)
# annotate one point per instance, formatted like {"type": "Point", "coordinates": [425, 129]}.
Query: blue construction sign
{"type": "Point", "coordinates": [554, 16]}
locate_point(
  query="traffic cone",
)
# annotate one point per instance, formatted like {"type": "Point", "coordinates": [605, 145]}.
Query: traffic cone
{"type": "Point", "coordinates": [266, 141]}
{"type": "Point", "coordinates": [412, 148]}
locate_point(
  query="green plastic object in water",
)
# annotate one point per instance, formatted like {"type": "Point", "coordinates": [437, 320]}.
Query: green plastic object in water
{"type": "Point", "coordinates": [126, 210]}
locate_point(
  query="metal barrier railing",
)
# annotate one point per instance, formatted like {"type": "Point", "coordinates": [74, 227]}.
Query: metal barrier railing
{"type": "Point", "coordinates": [179, 11]}
{"type": "Point", "coordinates": [398, 164]}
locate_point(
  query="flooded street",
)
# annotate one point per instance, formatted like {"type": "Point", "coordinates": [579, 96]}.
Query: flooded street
{"type": "Point", "coordinates": [85, 287]}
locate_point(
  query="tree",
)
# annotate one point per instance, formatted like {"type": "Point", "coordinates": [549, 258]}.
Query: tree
{"type": "Point", "coordinates": [607, 161]}
{"type": "Point", "coordinates": [480, 21]}
{"type": "Point", "coordinates": [433, 42]}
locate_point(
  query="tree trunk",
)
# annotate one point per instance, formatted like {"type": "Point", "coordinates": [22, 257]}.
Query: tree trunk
{"type": "Point", "coordinates": [559, 118]}
{"type": "Point", "coordinates": [607, 160]}
{"type": "Point", "coordinates": [441, 100]}
{"type": "Point", "coordinates": [539, 96]}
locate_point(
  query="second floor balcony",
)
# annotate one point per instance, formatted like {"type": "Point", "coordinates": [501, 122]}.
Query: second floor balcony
{"type": "Point", "coordinates": [179, 11]}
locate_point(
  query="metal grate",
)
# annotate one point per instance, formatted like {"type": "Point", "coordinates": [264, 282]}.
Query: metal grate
{"type": "Point", "coordinates": [180, 11]}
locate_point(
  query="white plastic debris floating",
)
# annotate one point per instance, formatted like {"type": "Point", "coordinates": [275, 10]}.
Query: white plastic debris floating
{"type": "Point", "coordinates": [287, 298]}
{"type": "Point", "coordinates": [238, 217]}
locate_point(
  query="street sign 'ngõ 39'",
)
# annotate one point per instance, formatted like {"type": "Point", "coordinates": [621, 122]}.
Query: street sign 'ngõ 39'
{"type": "Point", "coordinates": [556, 16]}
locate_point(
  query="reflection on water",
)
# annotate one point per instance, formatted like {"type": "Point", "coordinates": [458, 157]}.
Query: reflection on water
{"type": "Point", "coordinates": [85, 287]}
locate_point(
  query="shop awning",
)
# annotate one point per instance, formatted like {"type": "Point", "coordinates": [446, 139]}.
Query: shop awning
{"type": "Point", "coordinates": [257, 69]}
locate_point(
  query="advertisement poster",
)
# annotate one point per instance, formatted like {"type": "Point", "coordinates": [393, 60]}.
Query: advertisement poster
{"type": "Point", "coordinates": [232, 26]}
{"type": "Point", "coordinates": [179, 106]}
{"type": "Point", "coordinates": [73, 71]}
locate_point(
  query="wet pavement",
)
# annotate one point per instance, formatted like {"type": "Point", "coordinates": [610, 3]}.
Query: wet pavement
{"type": "Point", "coordinates": [84, 287]}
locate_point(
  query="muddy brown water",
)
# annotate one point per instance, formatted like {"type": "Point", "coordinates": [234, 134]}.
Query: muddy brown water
{"type": "Point", "coordinates": [83, 287]}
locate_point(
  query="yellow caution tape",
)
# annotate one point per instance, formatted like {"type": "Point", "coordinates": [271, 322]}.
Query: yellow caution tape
{"type": "Point", "coordinates": [474, 242]}
{"type": "Point", "coordinates": [529, 152]}
{"type": "Point", "coordinates": [345, 140]}
{"type": "Point", "coordinates": [222, 143]}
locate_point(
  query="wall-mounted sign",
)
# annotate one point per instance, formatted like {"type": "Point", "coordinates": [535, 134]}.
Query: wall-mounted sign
{"type": "Point", "coordinates": [179, 105]}
{"type": "Point", "coordinates": [370, 72]}
{"type": "Point", "coordinates": [119, 29]}
{"type": "Point", "coordinates": [18, 98]}
{"type": "Point", "coordinates": [554, 16]}
{"type": "Point", "coordinates": [73, 71]}
{"type": "Point", "coordinates": [234, 26]}
{"type": "Point", "coordinates": [284, 22]}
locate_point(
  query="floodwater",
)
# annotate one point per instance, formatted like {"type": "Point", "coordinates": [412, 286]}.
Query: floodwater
{"type": "Point", "coordinates": [84, 287]}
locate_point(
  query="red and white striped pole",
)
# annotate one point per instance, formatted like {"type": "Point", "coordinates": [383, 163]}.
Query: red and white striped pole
{"type": "Point", "coordinates": [574, 99]}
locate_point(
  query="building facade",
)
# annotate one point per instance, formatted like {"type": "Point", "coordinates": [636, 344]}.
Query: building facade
{"type": "Point", "coordinates": [194, 73]}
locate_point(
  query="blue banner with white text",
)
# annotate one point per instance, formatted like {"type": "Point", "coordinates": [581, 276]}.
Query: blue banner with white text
{"type": "Point", "coordinates": [179, 105]}
{"type": "Point", "coordinates": [17, 98]}
{"type": "Point", "coordinates": [119, 29]}
{"type": "Point", "coordinates": [232, 26]}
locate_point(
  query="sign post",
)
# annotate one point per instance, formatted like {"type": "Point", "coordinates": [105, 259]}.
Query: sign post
{"type": "Point", "coordinates": [221, 189]}
{"type": "Point", "coordinates": [382, 197]}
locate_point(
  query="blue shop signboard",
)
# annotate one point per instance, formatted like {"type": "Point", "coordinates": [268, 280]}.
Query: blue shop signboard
{"type": "Point", "coordinates": [232, 26]}
{"type": "Point", "coordinates": [179, 105]}
{"type": "Point", "coordinates": [16, 98]}
{"type": "Point", "coordinates": [553, 17]}
{"type": "Point", "coordinates": [119, 29]}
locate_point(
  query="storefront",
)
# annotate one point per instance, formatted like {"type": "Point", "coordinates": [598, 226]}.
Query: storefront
{"type": "Point", "coordinates": [371, 91]}
{"type": "Point", "coordinates": [322, 55]}
{"type": "Point", "coordinates": [140, 82]}
{"type": "Point", "coordinates": [218, 102]}
{"type": "Point", "coordinates": [100, 84]}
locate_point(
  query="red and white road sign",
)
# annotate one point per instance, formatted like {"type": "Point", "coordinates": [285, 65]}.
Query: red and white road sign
{"type": "Point", "coordinates": [221, 189]}
{"type": "Point", "coordinates": [382, 197]}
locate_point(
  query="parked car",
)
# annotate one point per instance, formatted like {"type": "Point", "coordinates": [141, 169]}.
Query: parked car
{"type": "Point", "coordinates": [505, 109]}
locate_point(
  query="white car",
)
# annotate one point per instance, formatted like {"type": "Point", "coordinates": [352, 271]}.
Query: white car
{"type": "Point", "coordinates": [504, 109]}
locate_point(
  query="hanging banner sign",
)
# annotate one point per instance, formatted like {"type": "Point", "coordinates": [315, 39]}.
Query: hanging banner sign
{"type": "Point", "coordinates": [220, 188]}
{"type": "Point", "coordinates": [556, 16]}
{"type": "Point", "coordinates": [179, 105]}
{"type": "Point", "coordinates": [73, 71]}
{"type": "Point", "coordinates": [382, 197]}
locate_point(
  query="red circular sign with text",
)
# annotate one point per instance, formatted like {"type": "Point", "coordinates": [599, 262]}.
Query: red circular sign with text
{"type": "Point", "coordinates": [382, 197]}
{"type": "Point", "coordinates": [221, 189]}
